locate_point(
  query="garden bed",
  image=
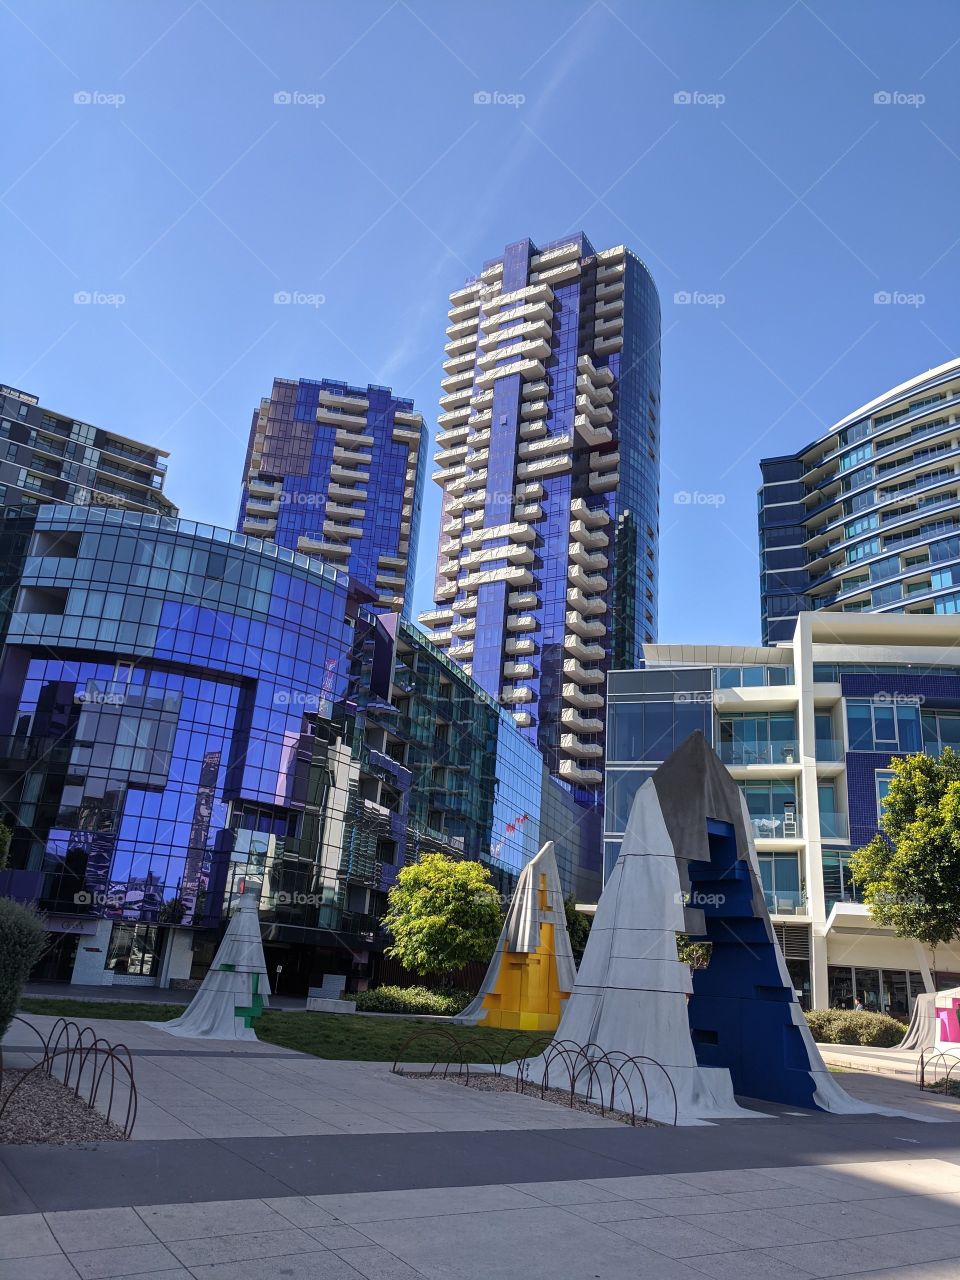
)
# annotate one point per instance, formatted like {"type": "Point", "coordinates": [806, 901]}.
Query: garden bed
{"type": "Point", "coordinates": [44, 1110]}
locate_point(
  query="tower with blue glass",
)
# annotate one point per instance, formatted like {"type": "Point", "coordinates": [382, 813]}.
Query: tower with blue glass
{"type": "Point", "coordinates": [336, 471]}
{"type": "Point", "coordinates": [548, 458]}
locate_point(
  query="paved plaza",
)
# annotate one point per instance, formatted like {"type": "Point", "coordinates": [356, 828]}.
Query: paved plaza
{"type": "Point", "coordinates": [256, 1163]}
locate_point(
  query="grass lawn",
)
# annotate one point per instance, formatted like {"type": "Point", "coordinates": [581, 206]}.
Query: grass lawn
{"type": "Point", "coordinates": [326, 1035]}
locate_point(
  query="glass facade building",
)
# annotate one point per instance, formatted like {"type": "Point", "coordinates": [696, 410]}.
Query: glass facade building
{"type": "Point", "coordinates": [867, 517]}
{"type": "Point", "coordinates": [46, 456]}
{"type": "Point", "coordinates": [186, 712]}
{"type": "Point", "coordinates": [337, 472]}
{"type": "Point", "coordinates": [808, 728]}
{"type": "Point", "coordinates": [548, 459]}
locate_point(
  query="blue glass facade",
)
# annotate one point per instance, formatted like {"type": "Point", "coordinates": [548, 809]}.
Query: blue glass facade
{"type": "Point", "coordinates": [337, 471]}
{"type": "Point", "coordinates": [548, 561]}
{"type": "Point", "coordinates": [867, 518]}
{"type": "Point", "coordinates": [186, 711]}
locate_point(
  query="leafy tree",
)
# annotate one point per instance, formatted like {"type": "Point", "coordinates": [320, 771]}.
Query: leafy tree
{"type": "Point", "coordinates": [909, 873]}
{"type": "Point", "coordinates": [695, 954]}
{"type": "Point", "coordinates": [22, 942]}
{"type": "Point", "coordinates": [442, 914]}
{"type": "Point", "coordinates": [6, 835]}
{"type": "Point", "coordinates": [578, 926]}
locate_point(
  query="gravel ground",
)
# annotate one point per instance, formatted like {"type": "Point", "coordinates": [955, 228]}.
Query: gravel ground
{"type": "Point", "coordinates": [490, 1083]}
{"type": "Point", "coordinates": [43, 1110]}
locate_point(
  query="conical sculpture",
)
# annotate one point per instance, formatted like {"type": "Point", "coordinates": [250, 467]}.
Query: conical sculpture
{"type": "Point", "coordinates": [532, 971]}
{"type": "Point", "coordinates": [235, 990]}
{"type": "Point", "coordinates": [688, 865]}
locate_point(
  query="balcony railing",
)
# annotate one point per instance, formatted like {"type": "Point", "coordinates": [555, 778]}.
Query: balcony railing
{"type": "Point", "coordinates": [776, 826]}
{"type": "Point", "coordinates": [743, 753]}
{"type": "Point", "coordinates": [785, 902]}
{"type": "Point", "coordinates": [834, 826]}
{"type": "Point", "coordinates": [829, 750]}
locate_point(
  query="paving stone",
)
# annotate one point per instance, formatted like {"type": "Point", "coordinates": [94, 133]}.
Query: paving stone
{"type": "Point", "coordinates": [375, 1263]}
{"type": "Point", "coordinates": [211, 1218]}
{"type": "Point", "coordinates": [373, 1206]}
{"type": "Point", "coordinates": [52, 1266]}
{"type": "Point", "coordinates": [674, 1237]}
{"type": "Point", "coordinates": [128, 1260]}
{"type": "Point", "coordinates": [84, 1229]}
{"type": "Point", "coordinates": [302, 1211]}
{"type": "Point", "coordinates": [243, 1247]}
{"type": "Point", "coordinates": [26, 1235]}
{"type": "Point", "coordinates": [298, 1266]}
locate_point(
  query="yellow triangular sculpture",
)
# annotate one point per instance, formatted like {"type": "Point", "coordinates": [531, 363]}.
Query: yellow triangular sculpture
{"type": "Point", "coordinates": [532, 971]}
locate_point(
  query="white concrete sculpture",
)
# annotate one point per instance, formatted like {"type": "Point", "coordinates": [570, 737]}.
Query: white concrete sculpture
{"type": "Point", "coordinates": [235, 989]}
{"type": "Point", "coordinates": [532, 971]}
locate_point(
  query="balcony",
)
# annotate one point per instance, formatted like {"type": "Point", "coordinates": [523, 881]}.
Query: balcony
{"type": "Point", "coordinates": [583, 675]}
{"type": "Point", "coordinates": [834, 826]}
{"type": "Point", "coordinates": [582, 626]}
{"type": "Point", "coordinates": [777, 826]}
{"type": "Point", "coordinates": [582, 649]}
{"type": "Point", "coordinates": [572, 719]}
{"type": "Point", "coordinates": [575, 746]}
{"type": "Point", "coordinates": [521, 622]}
{"type": "Point", "coordinates": [829, 751]}
{"type": "Point", "coordinates": [582, 698]}
{"type": "Point", "coordinates": [521, 693]}
{"type": "Point", "coordinates": [785, 902]}
{"type": "Point", "coordinates": [571, 772]}
{"type": "Point", "coordinates": [593, 582]}
{"type": "Point", "coordinates": [744, 754]}
{"type": "Point", "coordinates": [587, 537]}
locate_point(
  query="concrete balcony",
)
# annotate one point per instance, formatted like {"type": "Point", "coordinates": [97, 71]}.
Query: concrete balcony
{"type": "Point", "coordinates": [520, 644]}
{"type": "Point", "coordinates": [575, 746]}
{"type": "Point", "coordinates": [570, 718]}
{"type": "Point", "coordinates": [461, 651]}
{"type": "Point", "coordinates": [466, 606]}
{"type": "Point", "coordinates": [519, 670]}
{"type": "Point", "coordinates": [465, 327]}
{"type": "Point", "coordinates": [529, 511]}
{"type": "Point", "coordinates": [347, 513]}
{"type": "Point", "coordinates": [587, 559]}
{"type": "Point", "coordinates": [520, 693]}
{"type": "Point", "coordinates": [550, 466]}
{"type": "Point", "coordinates": [521, 622]}
{"type": "Point", "coordinates": [607, 308]}
{"type": "Point", "coordinates": [590, 433]}
{"type": "Point", "coordinates": [341, 530]}
{"type": "Point", "coordinates": [257, 488]}
{"type": "Point", "coordinates": [599, 414]}
{"type": "Point", "coordinates": [522, 718]}
{"type": "Point", "coordinates": [476, 498]}
{"type": "Point", "coordinates": [582, 698]}
{"type": "Point", "coordinates": [592, 517]}
{"type": "Point", "coordinates": [336, 552]}
{"type": "Point", "coordinates": [262, 506]}
{"type": "Point", "coordinates": [559, 275]}
{"type": "Point", "coordinates": [611, 271]}
{"type": "Point", "coordinates": [598, 395]}
{"type": "Point", "coordinates": [581, 625]}
{"type": "Point", "coordinates": [533, 408]}
{"type": "Point", "coordinates": [533, 391]}
{"type": "Point", "coordinates": [465, 628]}
{"type": "Point", "coordinates": [582, 649]}
{"type": "Point", "coordinates": [343, 454]}
{"type": "Point", "coordinates": [458, 344]}
{"type": "Point", "coordinates": [607, 346]}
{"type": "Point", "coordinates": [525, 330]}
{"type": "Point", "coordinates": [575, 670]}
{"type": "Point", "coordinates": [450, 457]}
{"type": "Point", "coordinates": [477, 457]}
{"type": "Point", "coordinates": [516, 531]}
{"type": "Point", "coordinates": [514, 575]}
{"type": "Point", "coordinates": [453, 417]}
{"type": "Point", "coordinates": [435, 617]}
{"type": "Point", "coordinates": [588, 606]}
{"type": "Point", "coordinates": [601, 377]}
{"type": "Point", "coordinates": [353, 439]}
{"type": "Point", "coordinates": [594, 582]}
{"type": "Point", "coordinates": [532, 430]}
{"type": "Point", "coordinates": [448, 568]}
{"type": "Point", "coordinates": [455, 399]}
{"type": "Point", "coordinates": [605, 461]}
{"type": "Point", "coordinates": [331, 399]}
{"type": "Point", "coordinates": [330, 418]}
{"type": "Point", "coordinates": [351, 475]}
{"type": "Point", "coordinates": [572, 772]}
{"type": "Point", "coordinates": [442, 639]}
{"type": "Point", "coordinates": [353, 492]}
{"type": "Point", "coordinates": [552, 257]}
{"type": "Point", "coordinates": [523, 600]}
{"type": "Point", "coordinates": [459, 360]}
{"type": "Point", "coordinates": [259, 526]}
{"type": "Point", "coordinates": [453, 381]}
{"type": "Point", "coordinates": [550, 444]}
{"type": "Point", "coordinates": [537, 349]}
{"type": "Point", "coordinates": [527, 369]}
{"type": "Point", "coordinates": [609, 325]}
{"type": "Point", "coordinates": [603, 481]}
{"type": "Point", "coordinates": [391, 581]}
{"type": "Point", "coordinates": [610, 289]}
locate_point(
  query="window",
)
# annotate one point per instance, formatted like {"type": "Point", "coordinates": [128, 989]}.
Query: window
{"type": "Point", "coordinates": [888, 722]}
{"type": "Point", "coordinates": [782, 880]}
{"type": "Point", "coordinates": [869, 548]}
{"type": "Point", "coordinates": [940, 729]}
{"type": "Point", "coordinates": [134, 949]}
{"type": "Point", "coordinates": [882, 778]}
{"type": "Point", "coordinates": [855, 457]}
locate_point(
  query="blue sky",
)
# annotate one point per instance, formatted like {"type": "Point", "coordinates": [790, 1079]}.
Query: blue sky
{"type": "Point", "coordinates": [784, 198]}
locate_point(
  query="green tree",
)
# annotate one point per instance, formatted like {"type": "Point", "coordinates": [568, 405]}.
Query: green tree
{"type": "Point", "coordinates": [909, 873]}
{"type": "Point", "coordinates": [578, 926]}
{"type": "Point", "coordinates": [442, 914]}
{"type": "Point", "coordinates": [22, 942]}
{"type": "Point", "coordinates": [695, 954]}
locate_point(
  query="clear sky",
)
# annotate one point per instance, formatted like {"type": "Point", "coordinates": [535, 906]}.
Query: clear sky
{"type": "Point", "coordinates": [783, 198]}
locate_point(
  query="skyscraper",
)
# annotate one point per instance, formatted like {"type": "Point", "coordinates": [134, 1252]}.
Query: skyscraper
{"type": "Point", "coordinates": [549, 464]}
{"type": "Point", "coordinates": [337, 472]}
{"type": "Point", "coordinates": [867, 517]}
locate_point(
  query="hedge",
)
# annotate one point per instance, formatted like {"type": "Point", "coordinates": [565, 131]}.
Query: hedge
{"type": "Point", "coordinates": [22, 941]}
{"type": "Point", "coordinates": [846, 1026]}
{"type": "Point", "coordinates": [411, 1000]}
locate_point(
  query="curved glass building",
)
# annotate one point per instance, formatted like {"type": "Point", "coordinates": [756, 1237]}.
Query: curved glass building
{"type": "Point", "coordinates": [867, 517]}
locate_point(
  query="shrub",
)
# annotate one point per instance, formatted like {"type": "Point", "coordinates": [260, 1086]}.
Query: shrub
{"type": "Point", "coordinates": [411, 1000]}
{"type": "Point", "coordinates": [847, 1026]}
{"type": "Point", "coordinates": [22, 941]}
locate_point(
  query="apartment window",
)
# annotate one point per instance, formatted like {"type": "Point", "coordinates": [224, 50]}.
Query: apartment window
{"type": "Point", "coordinates": [884, 724]}
{"type": "Point", "coordinates": [940, 729]}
